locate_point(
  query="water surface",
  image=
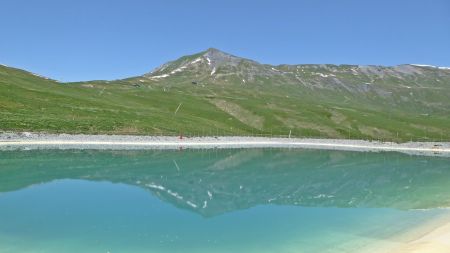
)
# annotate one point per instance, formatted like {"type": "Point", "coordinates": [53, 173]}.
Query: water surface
{"type": "Point", "coordinates": [241, 200]}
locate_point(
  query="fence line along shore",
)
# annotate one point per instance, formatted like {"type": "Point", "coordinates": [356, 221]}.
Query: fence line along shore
{"type": "Point", "coordinates": [9, 141]}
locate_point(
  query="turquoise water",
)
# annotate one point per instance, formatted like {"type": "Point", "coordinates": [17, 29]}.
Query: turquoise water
{"type": "Point", "coordinates": [242, 200]}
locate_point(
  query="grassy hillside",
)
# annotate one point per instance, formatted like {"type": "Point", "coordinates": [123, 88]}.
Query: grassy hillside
{"type": "Point", "coordinates": [220, 94]}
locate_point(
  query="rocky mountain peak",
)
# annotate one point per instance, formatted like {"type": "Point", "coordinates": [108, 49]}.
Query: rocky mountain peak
{"type": "Point", "coordinates": [216, 57]}
{"type": "Point", "coordinates": [205, 63]}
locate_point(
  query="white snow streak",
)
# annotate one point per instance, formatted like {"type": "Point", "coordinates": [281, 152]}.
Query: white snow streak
{"type": "Point", "coordinates": [320, 196]}
{"type": "Point", "coordinates": [178, 69]}
{"type": "Point", "coordinates": [210, 195]}
{"type": "Point", "coordinates": [154, 186]}
{"type": "Point", "coordinates": [176, 195]}
{"type": "Point", "coordinates": [429, 66]}
{"type": "Point", "coordinates": [191, 204]}
{"type": "Point", "coordinates": [196, 60]}
{"type": "Point", "coordinates": [160, 76]}
{"type": "Point", "coordinates": [323, 75]}
{"type": "Point", "coordinates": [39, 76]}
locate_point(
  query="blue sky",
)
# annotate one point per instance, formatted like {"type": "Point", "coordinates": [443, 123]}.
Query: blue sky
{"type": "Point", "coordinates": [109, 39]}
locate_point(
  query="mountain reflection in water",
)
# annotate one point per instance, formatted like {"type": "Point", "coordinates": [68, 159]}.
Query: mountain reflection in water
{"type": "Point", "coordinates": [213, 182]}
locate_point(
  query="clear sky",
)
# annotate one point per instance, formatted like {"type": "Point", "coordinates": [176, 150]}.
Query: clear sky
{"type": "Point", "coordinates": [108, 39]}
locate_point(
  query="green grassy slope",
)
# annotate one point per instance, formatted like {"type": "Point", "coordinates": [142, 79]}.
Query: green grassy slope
{"type": "Point", "coordinates": [234, 96]}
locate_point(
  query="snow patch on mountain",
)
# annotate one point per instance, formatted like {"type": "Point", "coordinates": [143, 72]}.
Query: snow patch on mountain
{"type": "Point", "coordinates": [210, 61]}
{"type": "Point", "coordinates": [323, 75]}
{"type": "Point", "coordinates": [160, 76]}
{"type": "Point", "coordinates": [196, 60]}
{"type": "Point", "coordinates": [429, 66]}
{"type": "Point", "coordinates": [40, 76]}
{"type": "Point", "coordinates": [178, 69]}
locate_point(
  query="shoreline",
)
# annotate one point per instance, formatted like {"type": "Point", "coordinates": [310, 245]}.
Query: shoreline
{"type": "Point", "coordinates": [430, 237]}
{"type": "Point", "coordinates": [26, 141]}
{"type": "Point", "coordinates": [435, 241]}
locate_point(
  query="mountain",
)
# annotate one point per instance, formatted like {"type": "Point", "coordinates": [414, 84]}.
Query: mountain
{"type": "Point", "coordinates": [214, 92]}
{"type": "Point", "coordinates": [214, 65]}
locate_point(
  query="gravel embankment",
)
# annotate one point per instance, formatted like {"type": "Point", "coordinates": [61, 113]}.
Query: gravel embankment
{"type": "Point", "coordinates": [26, 141]}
